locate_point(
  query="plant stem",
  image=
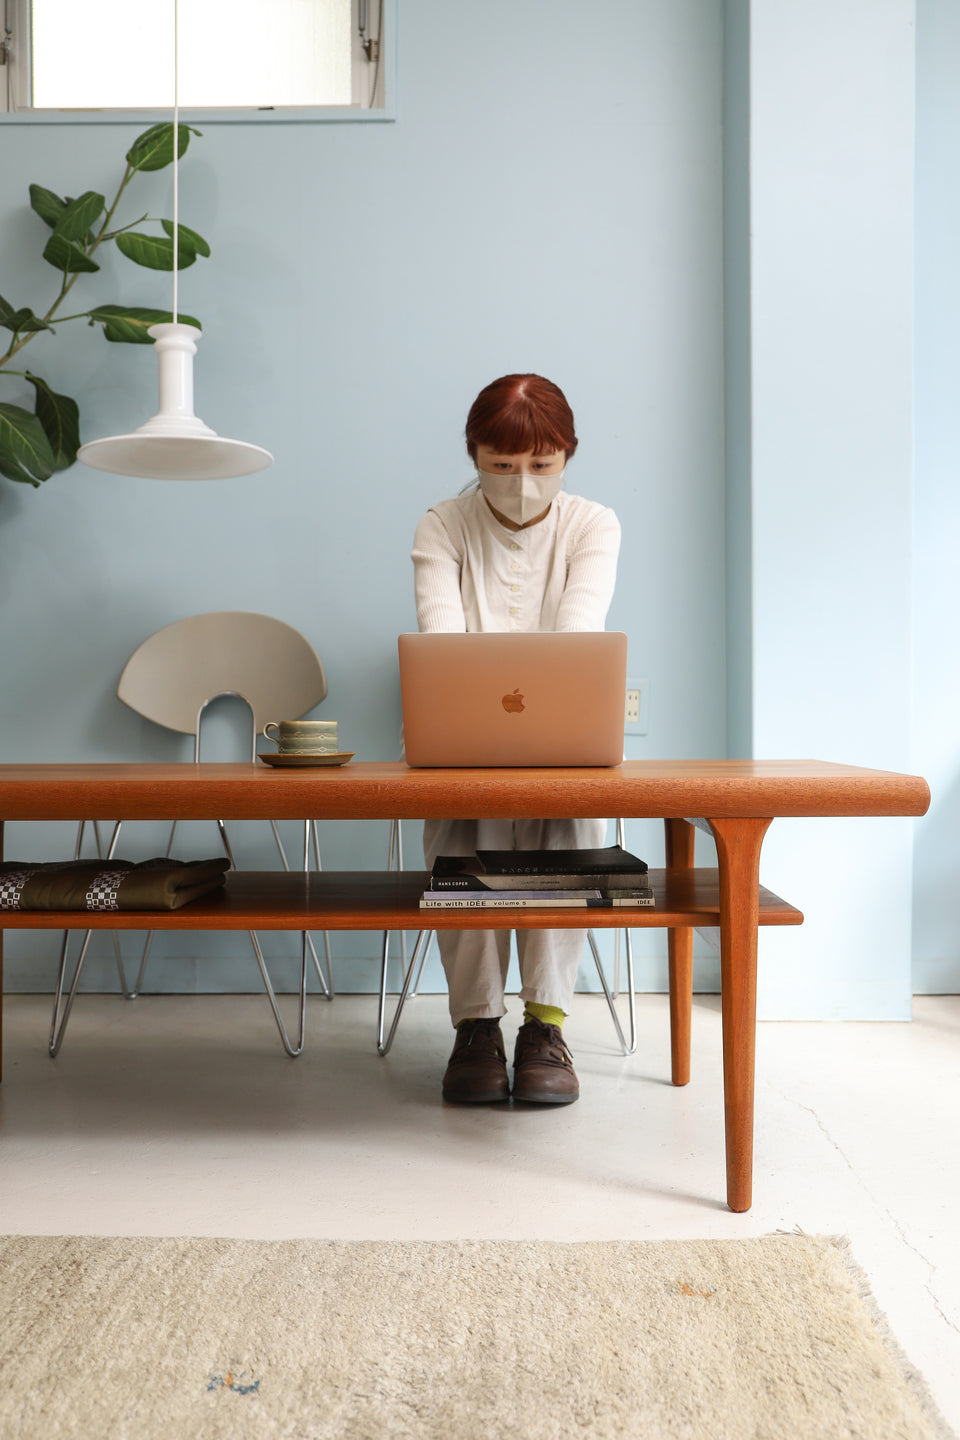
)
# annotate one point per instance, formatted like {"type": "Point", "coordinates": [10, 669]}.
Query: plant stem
{"type": "Point", "coordinates": [69, 280]}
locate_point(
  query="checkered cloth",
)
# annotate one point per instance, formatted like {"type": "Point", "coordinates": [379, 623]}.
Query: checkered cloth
{"type": "Point", "coordinates": [109, 884]}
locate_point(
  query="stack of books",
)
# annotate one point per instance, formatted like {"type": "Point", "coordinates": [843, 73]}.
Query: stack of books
{"type": "Point", "coordinates": [521, 879]}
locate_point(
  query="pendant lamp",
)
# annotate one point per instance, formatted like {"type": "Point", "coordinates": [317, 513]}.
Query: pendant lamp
{"type": "Point", "coordinates": [175, 444]}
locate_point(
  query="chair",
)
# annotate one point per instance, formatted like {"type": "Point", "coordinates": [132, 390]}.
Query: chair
{"type": "Point", "coordinates": [170, 679]}
{"type": "Point", "coordinates": [414, 970]}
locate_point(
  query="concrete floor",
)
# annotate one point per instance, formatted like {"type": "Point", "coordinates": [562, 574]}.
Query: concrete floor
{"type": "Point", "coordinates": [182, 1116]}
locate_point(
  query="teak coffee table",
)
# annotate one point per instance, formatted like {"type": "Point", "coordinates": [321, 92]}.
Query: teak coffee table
{"type": "Point", "coordinates": [736, 798]}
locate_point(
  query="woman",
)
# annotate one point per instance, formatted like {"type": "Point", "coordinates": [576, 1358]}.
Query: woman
{"type": "Point", "coordinates": [515, 552]}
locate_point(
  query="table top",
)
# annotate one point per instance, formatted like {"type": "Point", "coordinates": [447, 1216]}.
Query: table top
{"type": "Point", "coordinates": [386, 790]}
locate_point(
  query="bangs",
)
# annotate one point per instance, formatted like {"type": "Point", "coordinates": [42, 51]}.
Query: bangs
{"type": "Point", "coordinates": [522, 428]}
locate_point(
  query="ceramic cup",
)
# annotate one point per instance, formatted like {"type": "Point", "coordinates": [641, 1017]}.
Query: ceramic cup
{"type": "Point", "coordinates": [303, 737]}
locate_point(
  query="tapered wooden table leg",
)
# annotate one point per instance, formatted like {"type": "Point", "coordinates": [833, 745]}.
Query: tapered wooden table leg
{"type": "Point", "coordinates": [738, 852]}
{"type": "Point", "coordinates": [679, 856]}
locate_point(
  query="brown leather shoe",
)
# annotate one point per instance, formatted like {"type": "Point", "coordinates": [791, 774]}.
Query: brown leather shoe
{"type": "Point", "coordinates": [476, 1072]}
{"type": "Point", "coordinates": [543, 1072]}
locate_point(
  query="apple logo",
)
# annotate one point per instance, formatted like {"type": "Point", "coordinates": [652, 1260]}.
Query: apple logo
{"type": "Point", "coordinates": [513, 704]}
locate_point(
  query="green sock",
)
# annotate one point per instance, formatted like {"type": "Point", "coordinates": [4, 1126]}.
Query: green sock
{"type": "Point", "coordinates": [548, 1014]}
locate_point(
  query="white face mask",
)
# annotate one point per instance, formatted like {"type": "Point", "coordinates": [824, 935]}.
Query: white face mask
{"type": "Point", "coordinates": [520, 497]}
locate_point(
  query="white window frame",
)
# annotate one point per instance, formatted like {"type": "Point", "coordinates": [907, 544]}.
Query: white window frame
{"type": "Point", "coordinates": [15, 67]}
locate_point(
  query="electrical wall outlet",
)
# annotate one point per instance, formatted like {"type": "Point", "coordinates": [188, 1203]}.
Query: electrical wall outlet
{"type": "Point", "coordinates": [636, 719]}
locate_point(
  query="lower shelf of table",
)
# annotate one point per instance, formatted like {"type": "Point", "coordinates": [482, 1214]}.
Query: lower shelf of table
{"type": "Point", "coordinates": [370, 900]}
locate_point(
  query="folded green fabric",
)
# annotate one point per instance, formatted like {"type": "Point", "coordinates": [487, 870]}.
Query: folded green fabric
{"type": "Point", "coordinates": [109, 884]}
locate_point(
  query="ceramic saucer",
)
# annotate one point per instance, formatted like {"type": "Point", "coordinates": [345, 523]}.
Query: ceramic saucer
{"type": "Point", "coordinates": [340, 758]}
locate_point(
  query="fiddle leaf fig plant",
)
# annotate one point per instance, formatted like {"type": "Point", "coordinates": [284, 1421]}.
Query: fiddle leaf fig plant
{"type": "Point", "coordinates": [34, 444]}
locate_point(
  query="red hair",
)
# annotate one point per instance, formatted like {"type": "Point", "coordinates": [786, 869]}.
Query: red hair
{"type": "Point", "coordinates": [518, 413]}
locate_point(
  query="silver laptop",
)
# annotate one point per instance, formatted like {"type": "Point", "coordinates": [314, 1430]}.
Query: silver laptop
{"type": "Point", "coordinates": [529, 699]}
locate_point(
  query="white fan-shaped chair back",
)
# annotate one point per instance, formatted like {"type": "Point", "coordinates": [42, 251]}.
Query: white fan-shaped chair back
{"type": "Point", "coordinates": [181, 668]}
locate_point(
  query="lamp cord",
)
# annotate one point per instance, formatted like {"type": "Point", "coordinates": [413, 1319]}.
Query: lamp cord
{"type": "Point", "coordinates": [176, 156]}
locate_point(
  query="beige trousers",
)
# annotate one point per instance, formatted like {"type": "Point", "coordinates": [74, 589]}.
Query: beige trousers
{"type": "Point", "coordinates": [475, 961]}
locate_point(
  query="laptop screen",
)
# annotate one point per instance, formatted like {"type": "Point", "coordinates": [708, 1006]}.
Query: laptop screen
{"type": "Point", "coordinates": [513, 699]}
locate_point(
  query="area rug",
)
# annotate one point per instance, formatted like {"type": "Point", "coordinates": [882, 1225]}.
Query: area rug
{"type": "Point", "coordinates": [199, 1339]}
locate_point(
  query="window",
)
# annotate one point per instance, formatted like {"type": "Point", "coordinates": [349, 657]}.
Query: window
{"type": "Point", "coordinates": [282, 56]}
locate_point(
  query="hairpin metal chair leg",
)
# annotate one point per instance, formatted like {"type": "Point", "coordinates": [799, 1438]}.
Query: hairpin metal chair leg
{"type": "Point", "coordinates": [143, 965]}
{"type": "Point", "coordinates": [621, 838]}
{"type": "Point", "coordinates": [292, 1050]}
{"type": "Point", "coordinates": [628, 1049]}
{"type": "Point", "coordinates": [228, 851]}
{"type": "Point", "coordinates": [226, 844]}
{"type": "Point", "coordinates": [326, 981]}
{"type": "Point", "coordinates": [414, 971]}
{"type": "Point", "coordinates": [425, 950]}
{"type": "Point", "coordinates": [283, 853]}
{"type": "Point", "coordinates": [149, 940]}
{"type": "Point", "coordinates": [416, 959]}
{"type": "Point", "coordinates": [111, 848]}
{"type": "Point", "coordinates": [395, 852]}
{"type": "Point", "coordinates": [329, 985]}
{"type": "Point", "coordinates": [58, 1022]}
{"type": "Point", "coordinates": [631, 990]}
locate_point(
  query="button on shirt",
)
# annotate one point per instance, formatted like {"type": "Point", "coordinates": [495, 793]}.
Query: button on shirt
{"type": "Point", "coordinates": [472, 573]}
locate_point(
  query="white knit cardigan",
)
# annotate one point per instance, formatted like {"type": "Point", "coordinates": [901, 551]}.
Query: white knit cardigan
{"type": "Point", "coordinates": [472, 573]}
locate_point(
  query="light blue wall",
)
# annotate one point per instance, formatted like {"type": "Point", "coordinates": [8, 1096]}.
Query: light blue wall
{"type": "Point", "coordinates": [936, 933]}
{"type": "Point", "coordinates": [737, 377]}
{"type": "Point", "coordinates": [548, 198]}
{"type": "Point", "coordinates": [831, 290]}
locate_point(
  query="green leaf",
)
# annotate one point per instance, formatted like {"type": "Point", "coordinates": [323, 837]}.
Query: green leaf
{"type": "Point", "coordinates": [79, 215]}
{"type": "Point", "coordinates": [189, 239]}
{"type": "Point", "coordinates": [47, 205]}
{"type": "Point", "coordinates": [130, 323]}
{"type": "Point", "coordinates": [20, 321]}
{"type": "Point", "coordinates": [24, 322]}
{"type": "Point", "coordinates": [25, 452]}
{"type": "Point", "coordinates": [64, 255]}
{"type": "Point", "coordinates": [60, 418]}
{"type": "Point", "coordinates": [153, 150]}
{"type": "Point", "coordinates": [153, 251]}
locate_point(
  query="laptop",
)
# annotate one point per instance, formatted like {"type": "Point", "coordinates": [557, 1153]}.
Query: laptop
{"type": "Point", "coordinates": [513, 699]}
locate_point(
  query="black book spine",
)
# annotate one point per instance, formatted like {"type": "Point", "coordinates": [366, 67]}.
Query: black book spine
{"type": "Point", "coordinates": [592, 879]}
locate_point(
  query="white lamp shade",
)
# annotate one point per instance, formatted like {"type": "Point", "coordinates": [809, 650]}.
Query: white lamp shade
{"type": "Point", "coordinates": [175, 444]}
